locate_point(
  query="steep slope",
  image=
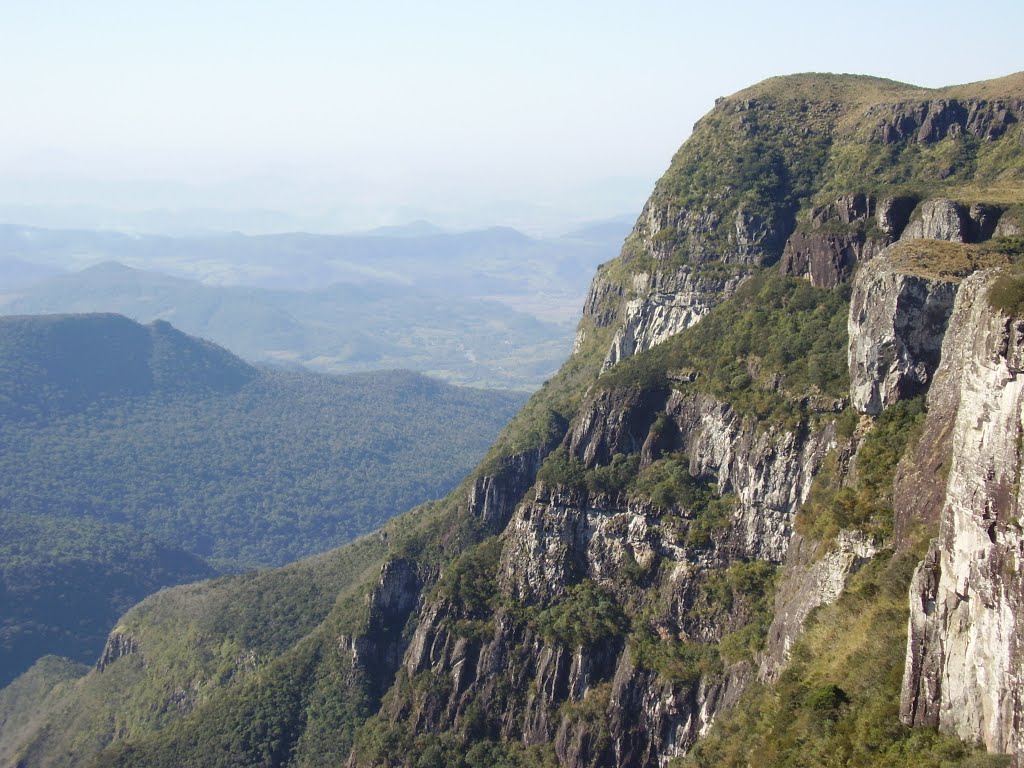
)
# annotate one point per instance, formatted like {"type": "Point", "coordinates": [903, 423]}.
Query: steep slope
{"type": "Point", "coordinates": [693, 542]}
{"type": "Point", "coordinates": [29, 695]}
{"type": "Point", "coordinates": [964, 659]}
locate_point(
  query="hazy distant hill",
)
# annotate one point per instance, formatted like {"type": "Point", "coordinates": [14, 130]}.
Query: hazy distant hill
{"type": "Point", "coordinates": [54, 365]}
{"type": "Point", "coordinates": [131, 454]}
{"type": "Point", "coordinates": [342, 328]}
{"type": "Point", "coordinates": [493, 307]}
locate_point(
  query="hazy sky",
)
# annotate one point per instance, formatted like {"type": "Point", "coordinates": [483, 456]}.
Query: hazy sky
{"type": "Point", "coordinates": [306, 103]}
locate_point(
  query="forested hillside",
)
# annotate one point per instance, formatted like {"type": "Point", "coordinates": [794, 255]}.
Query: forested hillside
{"type": "Point", "coordinates": [134, 457]}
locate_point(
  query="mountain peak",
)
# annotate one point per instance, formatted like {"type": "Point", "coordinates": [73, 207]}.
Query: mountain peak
{"type": "Point", "coordinates": [68, 361]}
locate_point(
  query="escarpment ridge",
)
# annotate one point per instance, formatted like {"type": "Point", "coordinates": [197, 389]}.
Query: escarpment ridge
{"type": "Point", "coordinates": [790, 429]}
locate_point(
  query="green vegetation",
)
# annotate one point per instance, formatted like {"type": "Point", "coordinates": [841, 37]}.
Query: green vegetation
{"type": "Point", "coordinates": [745, 589]}
{"type": "Point", "coordinates": [258, 724]}
{"type": "Point", "coordinates": [867, 506]}
{"type": "Point", "coordinates": [470, 581]}
{"type": "Point", "coordinates": [942, 260]}
{"type": "Point", "coordinates": [585, 616]}
{"type": "Point", "coordinates": [676, 660]}
{"type": "Point", "coordinates": [773, 352]}
{"type": "Point", "coordinates": [29, 696]}
{"type": "Point", "coordinates": [666, 483]}
{"type": "Point", "coordinates": [390, 744]}
{"type": "Point", "coordinates": [271, 612]}
{"type": "Point", "coordinates": [738, 598]}
{"type": "Point", "coordinates": [764, 157]}
{"type": "Point", "coordinates": [63, 584]}
{"type": "Point", "coordinates": [837, 702]}
{"type": "Point", "coordinates": [755, 160]}
{"type": "Point", "coordinates": [1007, 292]}
{"type": "Point", "coordinates": [258, 656]}
{"type": "Point", "coordinates": [128, 453]}
{"type": "Point", "coordinates": [559, 468]}
{"type": "Point", "coordinates": [541, 423]}
{"type": "Point", "coordinates": [240, 466]}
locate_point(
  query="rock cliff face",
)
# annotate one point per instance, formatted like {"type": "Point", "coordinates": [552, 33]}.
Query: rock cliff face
{"type": "Point", "coordinates": [667, 302]}
{"type": "Point", "coordinates": [927, 122]}
{"type": "Point", "coordinates": [843, 234]}
{"type": "Point", "coordinates": [565, 537]}
{"type": "Point", "coordinates": [811, 579]}
{"type": "Point", "coordinates": [943, 219]}
{"type": "Point", "coordinates": [896, 327]}
{"type": "Point", "coordinates": [964, 662]}
{"type": "Point", "coordinates": [119, 645]}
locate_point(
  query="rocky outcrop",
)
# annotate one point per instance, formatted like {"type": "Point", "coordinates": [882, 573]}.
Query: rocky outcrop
{"type": "Point", "coordinates": [377, 651]}
{"type": "Point", "coordinates": [1008, 225]}
{"type": "Point", "coordinates": [893, 213]}
{"type": "Point", "coordinates": [767, 467]}
{"type": "Point", "coordinates": [854, 229]}
{"type": "Point", "coordinates": [601, 308]}
{"type": "Point", "coordinates": [701, 234]}
{"type": "Point", "coordinates": [668, 302]}
{"type": "Point", "coordinates": [964, 660]}
{"type": "Point", "coordinates": [827, 259]}
{"type": "Point", "coordinates": [119, 644]}
{"type": "Point", "coordinates": [897, 321]}
{"type": "Point", "coordinates": [927, 122]}
{"type": "Point", "coordinates": [651, 720]}
{"type": "Point", "coordinates": [810, 579]}
{"type": "Point", "coordinates": [615, 421]}
{"type": "Point", "coordinates": [940, 219]}
{"type": "Point", "coordinates": [944, 219]}
{"type": "Point", "coordinates": [493, 495]}
{"type": "Point", "coordinates": [849, 231]}
{"type": "Point", "coordinates": [564, 535]}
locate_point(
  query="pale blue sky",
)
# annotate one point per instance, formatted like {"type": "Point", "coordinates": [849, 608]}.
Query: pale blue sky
{"type": "Point", "coordinates": [424, 103]}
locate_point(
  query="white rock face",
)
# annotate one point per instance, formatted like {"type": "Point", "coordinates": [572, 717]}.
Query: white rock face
{"type": "Point", "coordinates": [669, 302]}
{"type": "Point", "coordinates": [939, 219]}
{"type": "Point", "coordinates": [896, 326]}
{"type": "Point", "coordinates": [769, 469]}
{"type": "Point", "coordinates": [809, 581]}
{"type": "Point", "coordinates": [1008, 226]}
{"type": "Point", "coordinates": [964, 668]}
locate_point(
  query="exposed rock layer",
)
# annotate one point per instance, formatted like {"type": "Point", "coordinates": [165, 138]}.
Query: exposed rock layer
{"type": "Point", "coordinates": [964, 663]}
{"type": "Point", "coordinates": [897, 322]}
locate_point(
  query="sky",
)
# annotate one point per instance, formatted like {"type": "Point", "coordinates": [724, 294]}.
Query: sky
{"type": "Point", "coordinates": [396, 110]}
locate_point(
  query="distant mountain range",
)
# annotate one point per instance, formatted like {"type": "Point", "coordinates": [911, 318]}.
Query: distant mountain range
{"type": "Point", "coordinates": [135, 457]}
{"type": "Point", "coordinates": [492, 307]}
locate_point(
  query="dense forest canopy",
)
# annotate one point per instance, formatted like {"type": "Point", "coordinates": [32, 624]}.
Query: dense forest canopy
{"type": "Point", "coordinates": [134, 457]}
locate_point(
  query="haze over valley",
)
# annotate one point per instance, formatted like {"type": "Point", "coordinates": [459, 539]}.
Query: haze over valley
{"type": "Point", "coordinates": [487, 308]}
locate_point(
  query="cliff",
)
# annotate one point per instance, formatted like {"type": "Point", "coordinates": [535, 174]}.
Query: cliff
{"type": "Point", "coordinates": [963, 657]}
{"type": "Point", "coordinates": [697, 541]}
